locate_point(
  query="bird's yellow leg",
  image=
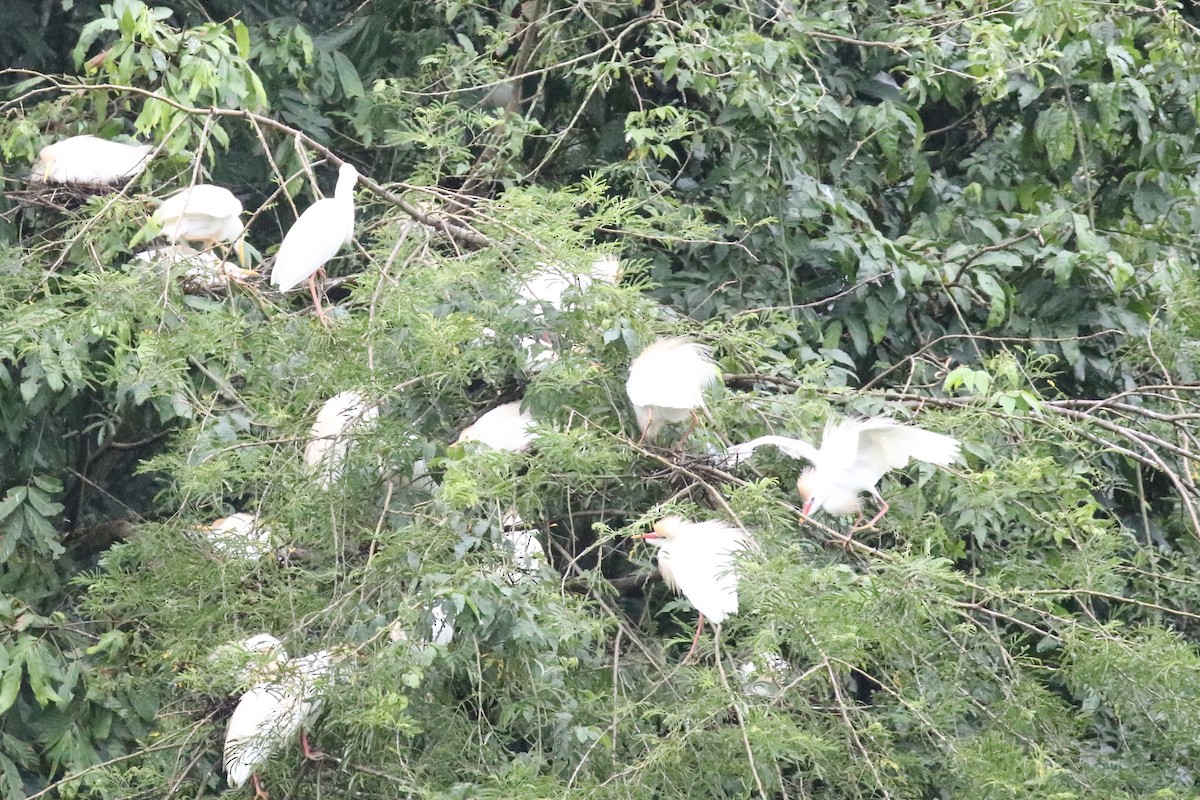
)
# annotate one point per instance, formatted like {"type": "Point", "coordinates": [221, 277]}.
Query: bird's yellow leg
{"type": "Point", "coordinates": [649, 422]}
{"type": "Point", "coordinates": [312, 286]}
{"type": "Point", "coordinates": [695, 639]}
{"type": "Point", "coordinates": [691, 427]}
{"type": "Point", "coordinates": [259, 791]}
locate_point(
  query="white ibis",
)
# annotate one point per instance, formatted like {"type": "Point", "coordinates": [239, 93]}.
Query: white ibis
{"type": "Point", "coordinates": [853, 457]}
{"type": "Point", "coordinates": [698, 559]}
{"type": "Point", "coordinates": [271, 714]}
{"type": "Point", "coordinates": [239, 536]}
{"type": "Point", "coordinates": [505, 427]}
{"type": "Point", "coordinates": [329, 440]}
{"type": "Point", "coordinates": [89, 161]}
{"type": "Point", "coordinates": [323, 229]}
{"type": "Point", "coordinates": [667, 382]}
{"type": "Point", "coordinates": [203, 213]}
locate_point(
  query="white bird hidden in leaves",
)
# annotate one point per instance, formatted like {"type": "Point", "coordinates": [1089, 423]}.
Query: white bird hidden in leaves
{"type": "Point", "coordinates": [323, 229]}
{"type": "Point", "coordinates": [204, 271]}
{"type": "Point", "coordinates": [505, 427]}
{"type": "Point", "coordinates": [253, 660]}
{"type": "Point", "coordinates": [551, 281]}
{"type": "Point", "coordinates": [89, 161]}
{"type": "Point", "coordinates": [699, 560]}
{"type": "Point", "coordinates": [667, 382]}
{"type": "Point", "coordinates": [853, 457]}
{"type": "Point", "coordinates": [203, 213]}
{"type": "Point", "coordinates": [239, 536]}
{"type": "Point", "coordinates": [271, 714]}
{"type": "Point", "coordinates": [329, 440]}
{"type": "Point", "coordinates": [523, 547]}
{"type": "Point", "coordinates": [764, 676]}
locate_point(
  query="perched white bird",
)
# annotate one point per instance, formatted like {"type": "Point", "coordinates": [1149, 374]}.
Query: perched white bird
{"type": "Point", "coordinates": [271, 713]}
{"type": "Point", "coordinates": [203, 213]}
{"type": "Point", "coordinates": [853, 457]}
{"type": "Point", "coordinates": [204, 271]}
{"type": "Point", "coordinates": [253, 660]}
{"type": "Point", "coordinates": [505, 427]}
{"type": "Point", "coordinates": [698, 559]}
{"type": "Point", "coordinates": [522, 545]}
{"type": "Point", "coordinates": [329, 442]}
{"type": "Point", "coordinates": [667, 381]}
{"type": "Point", "coordinates": [316, 237]}
{"type": "Point", "coordinates": [441, 627]}
{"type": "Point", "coordinates": [551, 281]}
{"type": "Point", "coordinates": [239, 536]}
{"type": "Point", "coordinates": [89, 161]}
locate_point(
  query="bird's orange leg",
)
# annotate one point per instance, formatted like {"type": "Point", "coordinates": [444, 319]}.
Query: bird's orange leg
{"type": "Point", "coordinates": [312, 286]}
{"type": "Point", "coordinates": [691, 427]}
{"type": "Point", "coordinates": [695, 640]}
{"type": "Point", "coordinates": [309, 753]}
{"type": "Point", "coordinates": [259, 791]}
{"type": "Point", "coordinates": [883, 509]}
{"type": "Point", "coordinates": [649, 422]}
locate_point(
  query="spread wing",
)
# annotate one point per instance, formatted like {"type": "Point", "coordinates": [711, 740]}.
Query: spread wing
{"type": "Point", "coordinates": [795, 448]}
{"type": "Point", "coordinates": [880, 445]}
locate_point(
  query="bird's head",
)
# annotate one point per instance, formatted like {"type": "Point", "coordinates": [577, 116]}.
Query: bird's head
{"type": "Point", "coordinates": [812, 491]}
{"type": "Point", "coordinates": [663, 532]}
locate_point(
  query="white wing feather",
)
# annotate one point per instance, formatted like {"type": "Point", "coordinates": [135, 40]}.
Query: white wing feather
{"type": "Point", "coordinates": [700, 562]}
{"type": "Point", "coordinates": [795, 448]}
{"type": "Point", "coordinates": [327, 446]}
{"type": "Point", "coordinates": [505, 427]}
{"type": "Point", "coordinates": [201, 212]}
{"type": "Point", "coordinates": [671, 373]}
{"type": "Point", "coordinates": [879, 445]}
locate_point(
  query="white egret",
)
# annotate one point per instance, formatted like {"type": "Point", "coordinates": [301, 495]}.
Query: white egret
{"type": "Point", "coordinates": [853, 457]}
{"type": "Point", "coordinates": [239, 536]}
{"type": "Point", "coordinates": [253, 660]}
{"type": "Point", "coordinates": [329, 440]}
{"type": "Point", "coordinates": [667, 381]}
{"type": "Point", "coordinates": [271, 714]}
{"type": "Point", "coordinates": [204, 271]}
{"type": "Point", "coordinates": [316, 237]}
{"type": "Point", "coordinates": [89, 161]}
{"type": "Point", "coordinates": [206, 214]}
{"type": "Point", "coordinates": [522, 546]}
{"type": "Point", "coordinates": [505, 427]}
{"type": "Point", "coordinates": [551, 281]}
{"type": "Point", "coordinates": [441, 628]}
{"type": "Point", "coordinates": [698, 559]}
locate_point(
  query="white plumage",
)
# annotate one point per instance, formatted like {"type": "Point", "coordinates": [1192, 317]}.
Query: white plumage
{"type": "Point", "coordinates": [272, 713]}
{"type": "Point", "coordinates": [764, 676]}
{"type": "Point", "coordinates": [253, 660]}
{"type": "Point", "coordinates": [89, 161]}
{"type": "Point", "coordinates": [329, 442]}
{"type": "Point", "coordinates": [205, 271]}
{"type": "Point", "coordinates": [698, 559]}
{"type": "Point", "coordinates": [853, 457]}
{"type": "Point", "coordinates": [523, 547]}
{"type": "Point", "coordinates": [551, 281]}
{"type": "Point", "coordinates": [323, 229]}
{"type": "Point", "coordinates": [667, 382]}
{"type": "Point", "coordinates": [202, 213]}
{"type": "Point", "coordinates": [239, 536]}
{"type": "Point", "coordinates": [505, 427]}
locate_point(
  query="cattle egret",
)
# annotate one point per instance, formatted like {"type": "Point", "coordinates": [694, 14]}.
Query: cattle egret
{"type": "Point", "coordinates": [667, 381]}
{"type": "Point", "coordinates": [505, 427]}
{"type": "Point", "coordinates": [528, 556]}
{"type": "Point", "coordinates": [441, 627]}
{"type": "Point", "coordinates": [853, 457]}
{"type": "Point", "coordinates": [89, 161]}
{"type": "Point", "coordinates": [271, 713]}
{"type": "Point", "coordinates": [329, 442]}
{"type": "Point", "coordinates": [551, 281]}
{"type": "Point", "coordinates": [239, 536]}
{"type": "Point", "coordinates": [697, 559]}
{"type": "Point", "coordinates": [203, 213]}
{"type": "Point", "coordinates": [254, 659]}
{"type": "Point", "coordinates": [316, 237]}
{"type": "Point", "coordinates": [203, 271]}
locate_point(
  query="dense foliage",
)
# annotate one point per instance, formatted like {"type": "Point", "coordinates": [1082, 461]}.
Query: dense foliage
{"type": "Point", "coordinates": [978, 216]}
